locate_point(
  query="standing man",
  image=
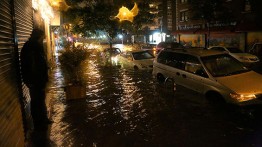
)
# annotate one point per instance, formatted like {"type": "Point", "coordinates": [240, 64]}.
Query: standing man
{"type": "Point", "coordinates": [35, 76]}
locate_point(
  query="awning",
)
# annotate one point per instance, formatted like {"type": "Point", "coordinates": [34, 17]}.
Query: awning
{"type": "Point", "coordinates": [226, 29]}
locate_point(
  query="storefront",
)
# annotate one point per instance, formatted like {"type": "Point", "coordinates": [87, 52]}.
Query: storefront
{"type": "Point", "coordinates": [200, 38]}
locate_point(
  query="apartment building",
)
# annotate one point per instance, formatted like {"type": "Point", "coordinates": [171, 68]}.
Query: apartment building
{"type": "Point", "coordinates": [164, 23]}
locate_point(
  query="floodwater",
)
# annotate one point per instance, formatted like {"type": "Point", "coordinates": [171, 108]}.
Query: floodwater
{"type": "Point", "coordinates": [127, 108]}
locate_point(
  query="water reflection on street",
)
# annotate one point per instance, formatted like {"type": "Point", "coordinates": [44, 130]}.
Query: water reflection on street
{"type": "Point", "coordinates": [126, 108]}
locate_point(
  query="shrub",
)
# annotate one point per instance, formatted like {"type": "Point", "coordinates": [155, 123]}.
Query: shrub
{"type": "Point", "coordinates": [71, 59]}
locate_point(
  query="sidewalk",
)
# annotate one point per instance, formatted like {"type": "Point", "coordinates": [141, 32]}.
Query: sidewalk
{"type": "Point", "coordinates": [53, 90]}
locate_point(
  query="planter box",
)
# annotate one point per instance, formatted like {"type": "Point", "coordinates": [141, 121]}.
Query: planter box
{"type": "Point", "coordinates": [75, 91]}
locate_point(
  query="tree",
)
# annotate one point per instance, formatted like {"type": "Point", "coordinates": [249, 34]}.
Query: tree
{"type": "Point", "coordinates": [93, 17]}
{"type": "Point", "coordinates": [144, 17]}
{"type": "Point", "coordinates": [210, 11]}
{"type": "Point", "coordinates": [88, 20]}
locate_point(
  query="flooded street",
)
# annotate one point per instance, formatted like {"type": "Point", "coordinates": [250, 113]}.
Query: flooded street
{"type": "Point", "coordinates": [127, 108]}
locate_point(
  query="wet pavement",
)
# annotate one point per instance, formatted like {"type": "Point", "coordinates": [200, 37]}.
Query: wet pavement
{"type": "Point", "coordinates": [127, 108]}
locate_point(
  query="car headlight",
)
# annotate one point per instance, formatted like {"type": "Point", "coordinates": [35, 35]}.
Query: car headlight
{"type": "Point", "coordinates": [242, 97]}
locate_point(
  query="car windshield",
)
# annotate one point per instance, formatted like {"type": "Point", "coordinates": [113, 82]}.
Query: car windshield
{"type": "Point", "coordinates": [113, 50]}
{"type": "Point", "coordinates": [174, 45]}
{"type": "Point", "coordinates": [235, 50]}
{"type": "Point", "coordinates": [223, 65]}
{"type": "Point", "coordinates": [142, 55]}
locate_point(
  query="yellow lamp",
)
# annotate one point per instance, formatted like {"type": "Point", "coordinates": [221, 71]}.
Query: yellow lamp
{"type": "Point", "coordinates": [126, 14]}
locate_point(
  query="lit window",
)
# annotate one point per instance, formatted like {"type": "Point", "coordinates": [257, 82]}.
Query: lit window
{"type": "Point", "coordinates": [184, 15]}
{"type": "Point", "coordinates": [183, 1]}
{"type": "Point", "coordinates": [247, 6]}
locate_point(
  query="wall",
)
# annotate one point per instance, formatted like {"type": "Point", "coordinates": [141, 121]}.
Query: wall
{"type": "Point", "coordinates": [15, 27]}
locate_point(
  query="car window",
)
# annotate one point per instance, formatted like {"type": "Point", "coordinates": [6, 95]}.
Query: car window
{"type": "Point", "coordinates": [129, 56]}
{"type": "Point", "coordinates": [223, 65]}
{"type": "Point", "coordinates": [123, 55]}
{"type": "Point", "coordinates": [142, 55]}
{"type": "Point", "coordinates": [235, 50]}
{"type": "Point", "coordinates": [162, 57]}
{"type": "Point", "coordinates": [258, 46]}
{"type": "Point", "coordinates": [192, 64]}
{"type": "Point", "coordinates": [118, 51]}
{"type": "Point", "coordinates": [113, 51]}
{"type": "Point", "coordinates": [172, 59]}
{"type": "Point", "coordinates": [218, 49]}
{"type": "Point", "coordinates": [257, 50]}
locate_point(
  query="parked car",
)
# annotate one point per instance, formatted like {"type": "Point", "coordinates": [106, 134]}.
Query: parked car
{"type": "Point", "coordinates": [256, 49]}
{"type": "Point", "coordinates": [163, 45]}
{"type": "Point", "coordinates": [148, 47]}
{"type": "Point", "coordinates": [112, 51]}
{"type": "Point", "coordinates": [109, 53]}
{"type": "Point", "coordinates": [137, 59]}
{"type": "Point", "coordinates": [217, 75]}
{"type": "Point", "coordinates": [245, 58]}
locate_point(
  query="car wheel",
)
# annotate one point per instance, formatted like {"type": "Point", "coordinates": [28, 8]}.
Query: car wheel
{"type": "Point", "coordinates": [170, 84]}
{"type": "Point", "coordinates": [135, 68]}
{"type": "Point", "coordinates": [160, 78]}
{"type": "Point", "coordinates": [215, 98]}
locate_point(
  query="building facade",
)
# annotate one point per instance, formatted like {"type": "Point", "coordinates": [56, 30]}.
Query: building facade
{"type": "Point", "coordinates": [241, 31]}
{"type": "Point", "coordinates": [164, 22]}
{"type": "Point", "coordinates": [17, 20]}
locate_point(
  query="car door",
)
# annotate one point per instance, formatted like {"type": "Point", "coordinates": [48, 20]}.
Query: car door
{"type": "Point", "coordinates": [194, 75]}
{"type": "Point", "coordinates": [186, 71]}
{"type": "Point", "coordinates": [174, 67]}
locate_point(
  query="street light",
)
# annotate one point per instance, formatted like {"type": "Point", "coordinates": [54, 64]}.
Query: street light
{"type": "Point", "coordinates": [120, 36]}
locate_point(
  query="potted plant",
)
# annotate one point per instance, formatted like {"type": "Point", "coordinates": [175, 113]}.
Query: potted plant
{"type": "Point", "coordinates": [72, 59]}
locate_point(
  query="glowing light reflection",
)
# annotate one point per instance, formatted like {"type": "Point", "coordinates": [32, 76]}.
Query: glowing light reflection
{"type": "Point", "coordinates": [45, 9]}
{"type": "Point", "coordinates": [126, 14]}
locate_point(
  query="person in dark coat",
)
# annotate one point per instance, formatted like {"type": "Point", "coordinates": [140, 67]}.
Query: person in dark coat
{"type": "Point", "coordinates": [35, 75]}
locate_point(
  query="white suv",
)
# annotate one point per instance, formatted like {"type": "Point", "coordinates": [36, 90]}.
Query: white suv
{"type": "Point", "coordinates": [215, 74]}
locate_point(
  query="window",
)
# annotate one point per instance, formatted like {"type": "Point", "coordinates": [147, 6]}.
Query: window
{"type": "Point", "coordinates": [247, 6]}
{"type": "Point", "coordinates": [172, 59]}
{"type": "Point", "coordinates": [184, 15]}
{"type": "Point", "coordinates": [193, 65]}
{"type": "Point", "coordinates": [142, 55]}
{"type": "Point", "coordinates": [183, 1]}
{"type": "Point", "coordinates": [223, 65]}
{"type": "Point", "coordinates": [221, 49]}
